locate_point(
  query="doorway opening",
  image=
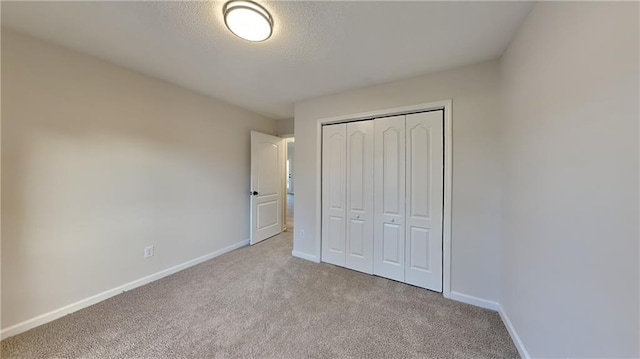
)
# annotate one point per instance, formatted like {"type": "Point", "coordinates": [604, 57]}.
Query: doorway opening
{"type": "Point", "coordinates": [289, 175]}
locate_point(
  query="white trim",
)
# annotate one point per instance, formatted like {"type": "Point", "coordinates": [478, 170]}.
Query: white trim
{"type": "Point", "coordinates": [446, 219]}
{"type": "Point", "coordinates": [514, 335]}
{"type": "Point", "coordinates": [492, 305]}
{"type": "Point", "coordinates": [305, 256]}
{"type": "Point", "coordinates": [448, 160]}
{"type": "Point", "coordinates": [478, 302]}
{"type": "Point", "coordinates": [429, 106]}
{"type": "Point", "coordinates": [60, 312]}
{"type": "Point", "coordinates": [284, 183]}
{"type": "Point", "coordinates": [319, 190]}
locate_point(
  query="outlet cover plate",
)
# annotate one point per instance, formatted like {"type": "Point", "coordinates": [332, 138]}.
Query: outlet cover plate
{"type": "Point", "coordinates": [148, 251]}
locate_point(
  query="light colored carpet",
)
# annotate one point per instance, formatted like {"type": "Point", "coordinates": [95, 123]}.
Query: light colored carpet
{"type": "Point", "coordinates": [259, 302]}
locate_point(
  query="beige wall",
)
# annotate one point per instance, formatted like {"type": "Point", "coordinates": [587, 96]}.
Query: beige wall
{"type": "Point", "coordinates": [285, 127]}
{"type": "Point", "coordinates": [569, 272]}
{"type": "Point", "coordinates": [476, 188]}
{"type": "Point", "coordinates": [99, 162]}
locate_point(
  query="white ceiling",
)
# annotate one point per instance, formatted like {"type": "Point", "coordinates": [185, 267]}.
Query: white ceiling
{"type": "Point", "coordinates": [317, 48]}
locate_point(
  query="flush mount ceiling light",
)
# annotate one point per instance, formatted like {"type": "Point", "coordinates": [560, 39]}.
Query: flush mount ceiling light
{"type": "Point", "coordinates": [248, 20]}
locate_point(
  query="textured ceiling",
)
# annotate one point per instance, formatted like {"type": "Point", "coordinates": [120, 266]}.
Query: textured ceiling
{"type": "Point", "coordinates": [317, 48]}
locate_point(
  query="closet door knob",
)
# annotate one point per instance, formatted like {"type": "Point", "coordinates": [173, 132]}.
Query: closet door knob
{"type": "Point", "coordinates": [392, 220]}
{"type": "Point", "coordinates": [358, 217]}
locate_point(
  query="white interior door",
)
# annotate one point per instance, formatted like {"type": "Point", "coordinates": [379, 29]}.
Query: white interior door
{"type": "Point", "coordinates": [267, 184]}
{"type": "Point", "coordinates": [389, 197]}
{"type": "Point", "coordinates": [360, 196]}
{"type": "Point", "coordinates": [334, 167]}
{"type": "Point", "coordinates": [424, 186]}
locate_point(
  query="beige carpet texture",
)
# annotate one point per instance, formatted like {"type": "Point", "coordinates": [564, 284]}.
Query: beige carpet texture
{"type": "Point", "coordinates": [260, 302]}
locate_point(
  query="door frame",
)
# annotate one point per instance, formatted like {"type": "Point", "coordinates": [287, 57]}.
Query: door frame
{"type": "Point", "coordinates": [444, 105]}
{"type": "Point", "coordinates": [285, 207]}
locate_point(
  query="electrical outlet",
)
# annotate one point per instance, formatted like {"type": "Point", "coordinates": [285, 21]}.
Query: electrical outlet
{"type": "Point", "coordinates": [148, 251]}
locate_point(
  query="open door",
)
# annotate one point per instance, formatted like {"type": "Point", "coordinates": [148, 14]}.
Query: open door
{"type": "Point", "coordinates": [267, 186]}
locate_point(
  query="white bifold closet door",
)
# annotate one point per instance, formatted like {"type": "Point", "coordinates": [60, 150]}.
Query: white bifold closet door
{"type": "Point", "coordinates": [334, 193]}
{"type": "Point", "coordinates": [389, 197]}
{"type": "Point", "coordinates": [408, 199]}
{"type": "Point", "coordinates": [382, 197]}
{"type": "Point", "coordinates": [347, 200]}
{"type": "Point", "coordinates": [424, 200]}
{"type": "Point", "coordinates": [360, 196]}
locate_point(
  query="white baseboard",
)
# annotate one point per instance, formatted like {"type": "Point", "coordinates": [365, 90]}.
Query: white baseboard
{"type": "Point", "coordinates": [55, 314]}
{"type": "Point", "coordinates": [488, 304]}
{"type": "Point", "coordinates": [514, 335]}
{"type": "Point", "coordinates": [306, 256]}
{"type": "Point", "coordinates": [478, 302]}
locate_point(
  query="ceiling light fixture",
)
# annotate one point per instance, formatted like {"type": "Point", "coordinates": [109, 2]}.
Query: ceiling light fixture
{"type": "Point", "coordinates": [248, 20]}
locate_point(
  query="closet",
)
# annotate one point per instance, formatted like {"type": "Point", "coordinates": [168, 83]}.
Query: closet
{"type": "Point", "coordinates": [382, 197]}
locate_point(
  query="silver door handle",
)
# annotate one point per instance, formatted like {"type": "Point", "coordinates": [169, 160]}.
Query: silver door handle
{"type": "Point", "coordinates": [358, 217]}
{"type": "Point", "coordinates": [392, 220]}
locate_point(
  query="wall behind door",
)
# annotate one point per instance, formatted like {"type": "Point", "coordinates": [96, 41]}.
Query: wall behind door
{"type": "Point", "coordinates": [99, 162]}
{"type": "Point", "coordinates": [476, 187]}
{"type": "Point", "coordinates": [285, 127]}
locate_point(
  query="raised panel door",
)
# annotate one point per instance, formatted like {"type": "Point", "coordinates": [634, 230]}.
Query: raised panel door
{"type": "Point", "coordinates": [334, 195]}
{"type": "Point", "coordinates": [424, 192]}
{"type": "Point", "coordinates": [360, 196]}
{"type": "Point", "coordinates": [389, 197]}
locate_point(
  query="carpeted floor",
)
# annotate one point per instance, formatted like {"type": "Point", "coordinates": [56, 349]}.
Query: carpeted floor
{"type": "Point", "coordinates": [260, 302]}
